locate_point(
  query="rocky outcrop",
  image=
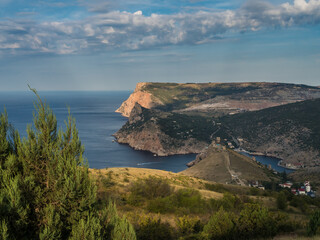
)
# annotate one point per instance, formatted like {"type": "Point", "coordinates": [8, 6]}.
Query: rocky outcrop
{"type": "Point", "coordinates": [142, 132]}
{"type": "Point", "coordinates": [226, 98]}
{"type": "Point", "coordinates": [144, 98]}
{"type": "Point", "coordinates": [168, 118]}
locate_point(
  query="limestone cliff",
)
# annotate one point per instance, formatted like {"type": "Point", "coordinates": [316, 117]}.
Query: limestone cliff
{"type": "Point", "coordinates": [143, 132]}
{"type": "Point", "coordinates": [225, 98]}
{"type": "Point", "coordinates": [144, 98]}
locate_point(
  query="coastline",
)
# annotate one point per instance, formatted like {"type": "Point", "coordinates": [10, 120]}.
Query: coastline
{"type": "Point", "coordinates": [279, 163]}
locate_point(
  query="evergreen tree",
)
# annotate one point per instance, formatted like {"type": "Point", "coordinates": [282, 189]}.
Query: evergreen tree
{"type": "Point", "coordinates": [45, 188]}
{"type": "Point", "coordinates": [314, 223]}
{"type": "Point", "coordinates": [282, 201]}
{"type": "Point", "coordinates": [220, 226]}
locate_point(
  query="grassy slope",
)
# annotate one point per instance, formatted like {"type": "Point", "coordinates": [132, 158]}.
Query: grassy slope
{"type": "Point", "coordinates": [215, 167]}
{"type": "Point", "coordinates": [177, 95]}
{"type": "Point", "coordinates": [115, 183]}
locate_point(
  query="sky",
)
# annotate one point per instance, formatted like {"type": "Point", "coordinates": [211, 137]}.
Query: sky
{"type": "Point", "coordinates": [112, 45]}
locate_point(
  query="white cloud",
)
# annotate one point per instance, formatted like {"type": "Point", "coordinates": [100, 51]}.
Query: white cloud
{"type": "Point", "coordinates": [126, 30]}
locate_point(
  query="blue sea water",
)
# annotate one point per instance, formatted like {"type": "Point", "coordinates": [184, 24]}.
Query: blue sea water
{"type": "Point", "coordinates": [265, 160]}
{"type": "Point", "coordinates": [96, 121]}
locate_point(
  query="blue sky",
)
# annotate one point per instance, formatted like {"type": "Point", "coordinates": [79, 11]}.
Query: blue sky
{"type": "Point", "coordinates": [112, 45]}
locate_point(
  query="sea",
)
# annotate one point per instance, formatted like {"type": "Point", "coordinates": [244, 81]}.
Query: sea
{"type": "Point", "coordinates": [96, 121]}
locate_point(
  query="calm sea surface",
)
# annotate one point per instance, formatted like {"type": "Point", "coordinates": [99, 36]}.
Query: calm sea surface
{"type": "Point", "coordinates": [269, 161]}
{"type": "Point", "coordinates": [96, 122]}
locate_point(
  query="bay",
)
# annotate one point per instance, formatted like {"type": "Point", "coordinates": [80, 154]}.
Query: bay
{"type": "Point", "coordinates": [265, 160]}
{"type": "Point", "coordinates": [96, 121]}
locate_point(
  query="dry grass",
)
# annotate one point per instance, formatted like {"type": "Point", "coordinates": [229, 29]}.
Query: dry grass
{"type": "Point", "coordinates": [122, 177]}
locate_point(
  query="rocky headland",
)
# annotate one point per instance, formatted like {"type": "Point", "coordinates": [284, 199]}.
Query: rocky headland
{"type": "Point", "coordinates": [272, 118]}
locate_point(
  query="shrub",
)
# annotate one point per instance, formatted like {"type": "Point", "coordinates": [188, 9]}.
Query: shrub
{"type": "Point", "coordinates": [228, 202]}
{"type": "Point", "coordinates": [151, 188]}
{"type": "Point", "coordinates": [188, 225]}
{"type": "Point", "coordinates": [220, 226]}
{"type": "Point", "coordinates": [184, 201]}
{"type": "Point", "coordinates": [314, 223]}
{"type": "Point", "coordinates": [284, 224]}
{"type": "Point", "coordinates": [255, 221]}
{"type": "Point", "coordinates": [151, 228]}
{"type": "Point", "coordinates": [161, 205]}
{"type": "Point", "coordinates": [215, 187]}
{"type": "Point", "coordinates": [189, 200]}
{"type": "Point", "coordinates": [282, 201]}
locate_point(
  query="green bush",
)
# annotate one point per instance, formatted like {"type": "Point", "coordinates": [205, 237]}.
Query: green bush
{"type": "Point", "coordinates": [228, 202]}
{"type": "Point", "coordinates": [220, 226]}
{"type": "Point", "coordinates": [255, 221]}
{"type": "Point", "coordinates": [151, 188]}
{"type": "Point", "coordinates": [184, 201]}
{"type": "Point", "coordinates": [161, 205]}
{"type": "Point", "coordinates": [282, 201]}
{"type": "Point", "coordinates": [314, 223]}
{"type": "Point", "coordinates": [150, 228]}
{"type": "Point", "coordinates": [215, 187]}
{"type": "Point", "coordinates": [188, 225]}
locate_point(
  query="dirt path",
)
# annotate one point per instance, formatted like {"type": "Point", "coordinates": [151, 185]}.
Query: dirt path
{"type": "Point", "coordinates": [234, 175]}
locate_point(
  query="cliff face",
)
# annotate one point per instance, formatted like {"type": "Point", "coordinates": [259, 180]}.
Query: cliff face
{"type": "Point", "coordinates": [143, 132]}
{"type": "Point", "coordinates": [144, 98]}
{"type": "Point", "coordinates": [210, 97]}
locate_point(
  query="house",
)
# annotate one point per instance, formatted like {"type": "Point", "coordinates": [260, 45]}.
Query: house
{"type": "Point", "coordinates": [307, 186]}
{"type": "Point", "coordinates": [294, 191]}
{"type": "Point", "coordinates": [302, 191]}
{"type": "Point", "coordinates": [286, 185]}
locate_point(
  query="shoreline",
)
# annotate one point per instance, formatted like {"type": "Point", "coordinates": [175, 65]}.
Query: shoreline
{"type": "Point", "coordinates": [258, 153]}
{"type": "Point", "coordinates": [279, 163]}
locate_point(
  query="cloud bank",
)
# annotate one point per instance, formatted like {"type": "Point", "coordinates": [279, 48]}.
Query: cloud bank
{"type": "Point", "coordinates": [134, 31]}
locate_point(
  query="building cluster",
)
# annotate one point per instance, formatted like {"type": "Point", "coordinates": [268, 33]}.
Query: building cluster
{"type": "Point", "coordinates": [302, 190]}
{"type": "Point", "coordinates": [291, 165]}
{"type": "Point", "coordinates": [256, 184]}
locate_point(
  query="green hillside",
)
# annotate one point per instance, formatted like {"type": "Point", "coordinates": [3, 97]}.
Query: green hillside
{"type": "Point", "coordinates": [227, 166]}
{"type": "Point", "coordinates": [298, 123]}
{"type": "Point", "coordinates": [176, 96]}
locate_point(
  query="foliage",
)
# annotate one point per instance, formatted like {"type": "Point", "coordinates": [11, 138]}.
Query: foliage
{"type": "Point", "coordinates": [217, 187]}
{"type": "Point", "coordinates": [282, 201]}
{"type": "Point", "coordinates": [150, 188]}
{"type": "Point", "coordinates": [45, 189]}
{"type": "Point", "coordinates": [188, 225]}
{"type": "Point", "coordinates": [184, 201]}
{"type": "Point", "coordinates": [152, 228]}
{"type": "Point", "coordinates": [255, 221]}
{"type": "Point", "coordinates": [278, 121]}
{"type": "Point", "coordinates": [314, 223]}
{"type": "Point", "coordinates": [220, 226]}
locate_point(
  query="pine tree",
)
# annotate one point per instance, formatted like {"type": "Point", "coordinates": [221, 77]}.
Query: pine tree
{"type": "Point", "coordinates": [45, 188]}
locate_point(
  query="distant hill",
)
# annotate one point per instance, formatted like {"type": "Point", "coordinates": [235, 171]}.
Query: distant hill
{"type": "Point", "coordinates": [275, 119]}
{"type": "Point", "coordinates": [227, 166]}
{"type": "Point", "coordinates": [291, 131]}
{"type": "Point", "coordinates": [220, 98]}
